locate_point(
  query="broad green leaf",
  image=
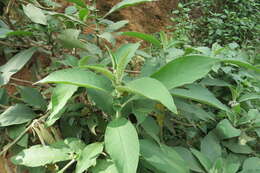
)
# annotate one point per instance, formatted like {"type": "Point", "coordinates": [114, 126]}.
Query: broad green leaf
{"type": "Point", "coordinates": [69, 60]}
{"type": "Point", "coordinates": [189, 158]}
{"type": "Point", "coordinates": [235, 147]}
{"type": "Point", "coordinates": [100, 69]}
{"type": "Point", "coordinates": [103, 100]}
{"type": "Point", "coordinates": [115, 26]}
{"type": "Point", "coordinates": [123, 56]}
{"type": "Point", "coordinates": [210, 147]}
{"type": "Point", "coordinates": [184, 70]}
{"type": "Point", "coordinates": [193, 111]}
{"type": "Point", "coordinates": [78, 77]}
{"type": "Point", "coordinates": [121, 142]}
{"type": "Point", "coordinates": [80, 3]}
{"type": "Point", "coordinates": [249, 96]}
{"type": "Point", "coordinates": [74, 19]}
{"type": "Point", "coordinates": [32, 96]}
{"type": "Point", "coordinates": [152, 89]}
{"type": "Point", "coordinates": [251, 116]}
{"type": "Point", "coordinates": [41, 155]}
{"type": "Point", "coordinates": [15, 64]}
{"type": "Point", "coordinates": [214, 82]}
{"type": "Point", "coordinates": [251, 164]}
{"type": "Point", "coordinates": [69, 39]}
{"type": "Point", "coordinates": [17, 114]}
{"type": "Point", "coordinates": [162, 158]}
{"type": "Point", "coordinates": [109, 37]}
{"type": "Point", "coordinates": [15, 131]}
{"type": "Point", "coordinates": [225, 130]}
{"type": "Point", "coordinates": [124, 4]}
{"type": "Point", "coordinates": [206, 163]}
{"type": "Point", "coordinates": [104, 166]}
{"type": "Point", "coordinates": [35, 14]}
{"type": "Point", "coordinates": [75, 144]}
{"type": "Point", "coordinates": [141, 108]}
{"type": "Point", "coordinates": [200, 94]}
{"type": "Point", "coordinates": [241, 63]}
{"type": "Point", "coordinates": [151, 128]}
{"type": "Point", "coordinates": [60, 96]}
{"type": "Point", "coordinates": [145, 37]}
{"type": "Point", "coordinates": [88, 156]}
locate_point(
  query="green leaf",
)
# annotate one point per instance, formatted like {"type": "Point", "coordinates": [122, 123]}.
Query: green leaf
{"type": "Point", "coordinates": [69, 39]}
{"type": "Point", "coordinates": [78, 2]}
{"type": "Point", "coordinates": [225, 130]}
{"type": "Point", "coordinates": [32, 96]}
{"type": "Point", "coordinates": [35, 14]}
{"type": "Point", "coordinates": [206, 163]}
{"type": "Point", "coordinates": [41, 155]}
{"type": "Point", "coordinates": [124, 4]}
{"type": "Point", "coordinates": [151, 128]}
{"type": "Point", "coordinates": [4, 98]}
{"type": "Point", "coordinates": [123, 56]}
{"type": "Point", "coordinates": [15, 131]}
{"type": "Point", "coordinates": [249, 96]}
{"type": "Point", "coordinates": [251, 164]}
{"type": "Point", "coordinates": [237, 148]}
{"type": "Point", "coordinates": [164, 158]}
{"type": "Point", "coordinates": [88, 156]}
{"type": "Point", "coordinates": [103, 100]}
{"type": "Point", "coordinates": [189, 158]}
{"type": "Point", "coordinates": [121, 142]}
{"type": "Point", "coordinates": [193, 111]}
{"type": "Point", "coordinates": [184, 70]}
{"type": "Point", "coordinates": [15, 64]}
{"type": "Point", "coordinates": [73, 19]}
{"type": "Point", "coordinates": [104, 166]}
{"type": "Point", "coordinates": [152, 89]}
{"type": "Point", "coordinates": [100, 69]}
{"type": "Point", "coordinates": [241, 63]}
{"type": "Point", "coordinates": [145, 37]}
{"type": "Point", "coordinates": [75, 144]}
{"type": "Point", "coordinates": [60, 96]}
{"type": "Point", "coordinates": [79, 77]}
{"type": "Point", "coordinates": [210, 147]}
{"type": "Point", "coordinates": [115, 26]}
{"type": "Point", "coordinates": [214, 82]}
{"type": "Point", "coordinates": [200, 94]}
{"type": "Point", "coordinates": [17, 114]}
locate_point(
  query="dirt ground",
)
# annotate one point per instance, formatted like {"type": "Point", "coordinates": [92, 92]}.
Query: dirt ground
{"type": "Point", "coordinates": [147, 18]}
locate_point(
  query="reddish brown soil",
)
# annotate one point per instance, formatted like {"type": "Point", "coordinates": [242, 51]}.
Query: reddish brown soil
{"type": "Point", "coordinates": [147, 18]}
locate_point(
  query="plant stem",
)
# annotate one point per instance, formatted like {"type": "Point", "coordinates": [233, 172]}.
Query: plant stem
{"type": "Point", "coordinates": [67, 166]}
{"type": "Point", "coordinates": [21, 135]}
{"type": "Point", "coordinates": [15, 141]}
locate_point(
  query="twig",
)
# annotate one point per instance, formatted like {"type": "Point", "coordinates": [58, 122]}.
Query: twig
{"type": "Point", "coordinates": [21, 80]}
{"type": "Point", "coordinates": [22, 134]}
{"type": "Point", "coordinates": [15, 141]}
{"type": "Point", "coordinates": [3, 106]}
{"type": "Point", "coordinates": [67, 166]}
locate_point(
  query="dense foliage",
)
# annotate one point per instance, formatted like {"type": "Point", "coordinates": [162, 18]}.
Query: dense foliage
{"type": "Point", "coordinates": [103, 107]}
{"type": "Point", "coordinates": [222, 21]}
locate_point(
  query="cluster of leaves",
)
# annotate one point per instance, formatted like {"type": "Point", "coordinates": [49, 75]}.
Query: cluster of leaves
{"type": "Point", "coordinates": [189, 109]}
{"type": "Point", "coordinates": [222, 21]}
